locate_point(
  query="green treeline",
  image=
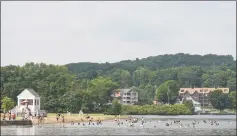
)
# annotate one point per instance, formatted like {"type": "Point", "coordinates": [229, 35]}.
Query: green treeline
{"type": "Point", "coordinates": [88, 86]}
{"type": "Point", "coordinates": [176, 109]}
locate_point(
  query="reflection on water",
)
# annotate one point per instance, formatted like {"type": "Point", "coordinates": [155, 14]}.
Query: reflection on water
{"type": "Point", "coordinates": [153, 127]}
{"type": "Point", "coordinates": [25, 130]}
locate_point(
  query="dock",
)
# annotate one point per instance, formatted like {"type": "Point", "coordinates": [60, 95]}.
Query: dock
{"type": "Point", "coordinates": [16, 122]}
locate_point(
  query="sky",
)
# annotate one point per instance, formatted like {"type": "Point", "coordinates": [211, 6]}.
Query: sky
{"type": "Point", "coordinates": [62, 32]}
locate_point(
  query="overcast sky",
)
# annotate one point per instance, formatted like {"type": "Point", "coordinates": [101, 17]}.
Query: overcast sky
{"type": "Point", "coordinates": [79, 31]}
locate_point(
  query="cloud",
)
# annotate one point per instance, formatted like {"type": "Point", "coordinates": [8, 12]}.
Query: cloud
{"type": "Point", "coordinates": [64, 32]}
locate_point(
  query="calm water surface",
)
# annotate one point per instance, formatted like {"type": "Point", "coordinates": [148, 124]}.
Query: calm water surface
{"type": "Point", "coordinates": [155, 125]}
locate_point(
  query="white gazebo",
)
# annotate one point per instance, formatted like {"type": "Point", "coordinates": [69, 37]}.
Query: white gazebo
{"type": "Point", "coordinates": [32, 99]}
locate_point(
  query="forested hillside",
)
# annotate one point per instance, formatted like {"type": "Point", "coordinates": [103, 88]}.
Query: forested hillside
{"type": "Point", "coordinates": [157, 62]}
{"type": "Point", "coordinates": [87, 86]}
{"type": "Point", "coordinates": [189, 70]}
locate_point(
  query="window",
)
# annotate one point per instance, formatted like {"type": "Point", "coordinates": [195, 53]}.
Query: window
{"type": "Point", "coordinates": [30, 101]}
{"type": "Point", "coordinates": [182, 90]}
{"type": "Point", "coordinates": [201, 90]}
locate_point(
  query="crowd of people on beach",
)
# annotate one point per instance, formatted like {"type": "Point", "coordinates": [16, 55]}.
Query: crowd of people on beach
{"type": "Point", "coordinates": [89, 119]}
{"type": "Point", "coordinates": [11, 116]}
{"type": "Point", "coordinates": [142, 122]}
{"type": "Point", "coordinates": [129, 122]}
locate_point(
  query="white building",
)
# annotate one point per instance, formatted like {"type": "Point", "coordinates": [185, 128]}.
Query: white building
{"type": "Point", "coordinates": [196, 105]}
{"type": "Point", "coordinates": [33, 101]}
{"type": "Point", "coordinates": [127, 96]}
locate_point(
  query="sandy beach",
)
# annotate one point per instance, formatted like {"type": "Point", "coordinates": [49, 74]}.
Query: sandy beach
{"type": "Point", "coordinates": [51, 118]}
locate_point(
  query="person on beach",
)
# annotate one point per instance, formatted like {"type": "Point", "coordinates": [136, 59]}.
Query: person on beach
{"type": "Point", "coordinates": [9, 115]}
{"type": "Point", "coordinates": [4, 116]}
{"type": "Point", "coordinates": [87, 116]}
{"type": "Point", "coordinates": [41, 119]}
{"type": "Point", "coordinates": [99, 121]}
{"type": "Point", "coordinates": [63, 119]}
{"type": "Point", "coordinates": [14, 116]}
{"type": "Point", "coordinates": [57, 116]}
{"type": "Point", "coordinates": [38, 117]}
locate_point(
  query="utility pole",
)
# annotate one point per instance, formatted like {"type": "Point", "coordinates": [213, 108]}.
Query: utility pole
{"type": "Point", "coordinates": [86, 84]}
{"type": "Point", "coordinates": [168, 94]}
{"type": "Point", "coordinates": [203, 99]}
{"type": "Point", "coordinates": [214, 67]}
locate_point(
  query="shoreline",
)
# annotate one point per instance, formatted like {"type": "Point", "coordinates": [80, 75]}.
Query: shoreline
{"type": "Point", "coordinates": [66, 122]}
{"type": "Point", "coordinates": [75, 119]}
{"type": "Point", "coordinates": [51, 118]}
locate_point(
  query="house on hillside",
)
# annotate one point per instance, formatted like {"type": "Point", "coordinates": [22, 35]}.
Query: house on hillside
{"type": "Point", "coordinates": [126, 96]}
{"type": "Point", "coordinates": [200, 95]}
{"type": "Point", "coordinates": [28, 100]}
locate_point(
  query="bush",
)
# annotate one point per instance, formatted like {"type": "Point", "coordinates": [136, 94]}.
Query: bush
{"type": "Point", "coordinates": [189, 104]}
{"type": "Point", "coordinates": [114, 109]}
{"type": "Point", "coordinates": [177, 109]}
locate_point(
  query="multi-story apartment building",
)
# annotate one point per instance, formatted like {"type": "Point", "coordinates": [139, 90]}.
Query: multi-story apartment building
{"type": "Point", "coordinates": [200, 95]}
{"type": "Point", "coordinates": [126, 96]}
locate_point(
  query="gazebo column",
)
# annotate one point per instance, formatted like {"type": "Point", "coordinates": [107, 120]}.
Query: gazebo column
{"type": "Point", "coordinates": [33, 112]}
{"type": "Point", "coordinates": [18, 103]}
{"type": "Point", "coordinates": [39, 103]}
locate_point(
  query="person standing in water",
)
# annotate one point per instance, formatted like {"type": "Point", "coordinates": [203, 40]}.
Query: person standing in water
{"type": "Point", "coordinates": [63, 120]}
{"type": "Point", "coordinates": [57, 116]}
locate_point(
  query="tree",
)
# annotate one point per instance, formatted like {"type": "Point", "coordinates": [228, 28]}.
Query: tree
{"type": "Point", "coordinates": [163, 93]}
{"type": "Point", "coordinates": [189, 104]}
{"type": "Point", "coordinates": [219, 100]}
{"type": "Point", "coordinates": [115, 108]}
{"type": "Point", "coordinates": [232, 98]}
{"type": "Point", "coordinates": [146, 95]}
{"type": "Point", "coordinates": [7, 104]}
{"type": "Point", "coordinates": [102, 88]}
{"type": "Point", "coordinates": [231, 83]}
{"type": "Point", "coordinates": [91, 83]}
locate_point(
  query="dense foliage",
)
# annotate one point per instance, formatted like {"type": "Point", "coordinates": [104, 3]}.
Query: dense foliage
{"type": "Point", "coordinates": [149, 73]}
{"type": "Point", "coordinates": [168, 92]}
{"type": "Point", "coordinates": [88, 86]}
{"type": "Point", "coordinates": [176, 109]}
{"type": "Point", "coordinates": [115, 108]}
{"type": "Point", "coordinates": [232, 99]}
{"type": "Point", "coordinates": [219, 100]}
{"type": "Point", "coordinates": [7, 104]}
{"type": "Point", "coordinates": [189, 105]}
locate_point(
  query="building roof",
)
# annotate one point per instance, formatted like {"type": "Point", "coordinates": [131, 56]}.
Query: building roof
{"type": "Point", "coordinates": [31, 91]}
{"type": "Point", "coordinates": [127, 90]}
{"type": "Point", "coordinates": [201, 90]}
{"type": "Point", "coordinates": [195, 102]}
{"type": "Point", "coordinates": [197, 109]}
{"type": "Point", "coordinates": [124, 90]}
{"type": "Point", "coordinates": [190, 98]}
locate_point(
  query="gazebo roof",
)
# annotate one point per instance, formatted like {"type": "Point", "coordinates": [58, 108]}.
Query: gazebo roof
{"type": "Point", "coordinates": [33, 92]}
{"type": "Point", "coordinates": [28, 91]}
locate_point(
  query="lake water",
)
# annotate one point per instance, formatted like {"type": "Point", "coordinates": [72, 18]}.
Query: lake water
{"type": "Point", "coordinates": [154, 125]}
